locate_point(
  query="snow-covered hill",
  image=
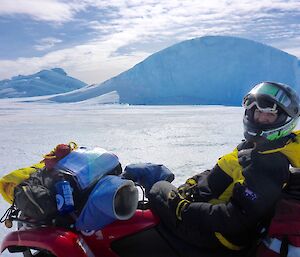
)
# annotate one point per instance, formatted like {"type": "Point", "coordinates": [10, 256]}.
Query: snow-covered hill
{"type": "Point", "coordinates": [45, 82]}
{"type": "Point", "coordinates": [207, 70]}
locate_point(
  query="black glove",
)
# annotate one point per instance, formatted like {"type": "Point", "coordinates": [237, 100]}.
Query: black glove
{"type": "Point", "coordinates": [247, 156]}
{"type": "Point", "coordinates": [188, 189]}
{"type": "Point", "coordinates": [177, 203]}
{"type": "Point", "coordinates": [246, 199]}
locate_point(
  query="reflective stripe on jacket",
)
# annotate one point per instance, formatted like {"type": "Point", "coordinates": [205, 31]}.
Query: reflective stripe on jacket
{"type": "Point", "coordinates": [230, 164]}
{"type": "Point", "coordinates": [235, 196]}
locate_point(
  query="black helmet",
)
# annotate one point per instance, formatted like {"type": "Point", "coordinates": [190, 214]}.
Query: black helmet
{"type": "Point", "coordinates": [271, 97]}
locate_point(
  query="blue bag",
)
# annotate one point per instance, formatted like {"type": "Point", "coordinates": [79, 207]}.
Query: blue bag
{"type": "Point", "coordinates": [87, 166]}
{"type": "Point", "coordinates": [147, 174]}
{"type": "Point", "coordinates": [113, 198]}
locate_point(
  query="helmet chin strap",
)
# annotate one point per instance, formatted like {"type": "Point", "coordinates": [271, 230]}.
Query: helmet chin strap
{"type": "Point", "coordinates": [252, 133]}
{"type": "Point", "coordinates": [255, 138]}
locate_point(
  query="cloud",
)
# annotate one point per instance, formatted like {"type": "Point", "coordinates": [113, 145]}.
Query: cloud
{"type": "Point", "coordinates": [46, 10]}
{"type": "Point", "coordinates": [290, 45]}
{"type": "Point", "coordinates": [144, 20]}
{"type": "Point", "coordinates": [134, 24]}
{"type": "Point", "coordinates": [47, 43]}
{"type": "Point", "coordinates": [77, 61]}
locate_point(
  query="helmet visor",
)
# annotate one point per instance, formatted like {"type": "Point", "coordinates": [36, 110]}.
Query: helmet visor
{"type": "Point", "coordinates": [265, 96]}
{"type": "Point", "coordinates": [261, 104]}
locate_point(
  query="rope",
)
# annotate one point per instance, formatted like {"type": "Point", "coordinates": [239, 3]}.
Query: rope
{"type": "Point", "coordinates": [10, 214]}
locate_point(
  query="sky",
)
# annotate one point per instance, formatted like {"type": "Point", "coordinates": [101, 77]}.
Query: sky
{"type": "Point", "coordinates": [94, 40]}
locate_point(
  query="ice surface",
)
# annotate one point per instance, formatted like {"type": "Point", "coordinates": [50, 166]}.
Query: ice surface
{"type": "Point", "coordinates": [207, 70]}
{"type": "Point", "coordinates": [45, 82]}
{"type": "Point", "coordinates": [187, 139]}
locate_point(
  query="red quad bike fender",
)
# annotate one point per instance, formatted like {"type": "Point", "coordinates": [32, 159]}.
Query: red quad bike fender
{"type": "Point", "coordinates": [61, 242]}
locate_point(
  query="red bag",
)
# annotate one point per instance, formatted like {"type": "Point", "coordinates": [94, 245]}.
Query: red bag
{"type": "Point", "coordinates": [283, 238]}
{"type": "Point", "coordinates": [59, 152]}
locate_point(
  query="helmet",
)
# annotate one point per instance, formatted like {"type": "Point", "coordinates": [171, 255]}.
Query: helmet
{"type": "Point", "coordinates": [275, 98]}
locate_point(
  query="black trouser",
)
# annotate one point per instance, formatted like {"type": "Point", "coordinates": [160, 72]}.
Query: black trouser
{"type": "Point", "coordinates": [158, 197]}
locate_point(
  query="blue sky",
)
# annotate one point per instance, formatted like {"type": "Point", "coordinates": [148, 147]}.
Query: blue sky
{"type": "Point", "coordinates": [94, 40]}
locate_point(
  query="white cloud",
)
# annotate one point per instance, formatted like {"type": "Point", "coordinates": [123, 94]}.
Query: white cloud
{"type": "Point", "coordinates": [289, 45]}
{"type": "Point", "coordinates": [293, 50]}
{"type": "Point", "coordinates": [45, 10]}
{"type": "Point", "coordinates": [47, 43]}
{"type": "Point", "coordinates": [132, 22]}
{"type": "Point", "coordinates": [78, 61]}
{"type": "Point", "coordinates": [166, 18]}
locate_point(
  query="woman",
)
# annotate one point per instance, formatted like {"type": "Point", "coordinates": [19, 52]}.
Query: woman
{"type": "Point", "coordinates": [226, 206]}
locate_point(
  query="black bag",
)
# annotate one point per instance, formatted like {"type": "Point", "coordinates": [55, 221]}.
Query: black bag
{"type": "Point", "coordinates": [35, 197]}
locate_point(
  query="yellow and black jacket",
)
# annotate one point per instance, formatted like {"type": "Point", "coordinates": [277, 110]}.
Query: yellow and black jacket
{"type": "Point", "coordinates": [231, 199]}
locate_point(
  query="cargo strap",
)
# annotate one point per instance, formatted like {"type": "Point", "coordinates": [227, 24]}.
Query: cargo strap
{"type": "Point", "coordinates": [281, 247]}
{"type": "Point", "coordinates": [226, 243]}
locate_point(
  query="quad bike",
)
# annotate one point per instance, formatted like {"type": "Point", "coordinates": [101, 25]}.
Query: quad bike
{"type": "Point", "coordinates": [141, 236]}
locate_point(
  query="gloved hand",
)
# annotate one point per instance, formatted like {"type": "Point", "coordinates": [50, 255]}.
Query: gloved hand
{"type": "Point", "coordinates": [177, 203]}
{"type": "Point", "coordinates": [247, 200]}
{"type": "Point", "coordinates": [147, 174]}
{"type": "Point", "coordinates": [188, 189]}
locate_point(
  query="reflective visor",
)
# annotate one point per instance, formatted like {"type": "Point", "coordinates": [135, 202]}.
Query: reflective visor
{"type": "Point", "coordinates": [265, 96]}
{"type": "Point", "coordinates": [260, 103]}
{"type": "Point", "coordinates": [272, 91]}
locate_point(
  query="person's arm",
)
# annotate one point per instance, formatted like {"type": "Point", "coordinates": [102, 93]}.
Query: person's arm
{"type": "Point", "coordinates": [249, 203]}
